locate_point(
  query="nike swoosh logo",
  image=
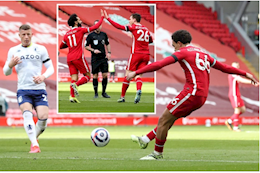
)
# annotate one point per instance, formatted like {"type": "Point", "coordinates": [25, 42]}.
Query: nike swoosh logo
{"type": "Point", "coordinates": [137, 121]}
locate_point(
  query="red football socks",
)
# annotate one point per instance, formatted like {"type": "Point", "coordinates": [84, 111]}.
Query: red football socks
{"type": "Point", "coordinates": [159, 144]}
{"type": "Point", "coordinates": [235, 119]}
{"type": "Point", "coordinates": [151, 135]}
{"type": "Point", "coordinates": [124, 87]}
{"type": "Point", "coordinates": [83, 80]}
{"type": "Point", "coordinates": [139, 83]}
{"type": "Point", "coordinates": [71, 89]}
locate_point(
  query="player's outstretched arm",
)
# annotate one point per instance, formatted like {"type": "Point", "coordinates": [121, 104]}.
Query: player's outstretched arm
{"type": "Point", "coordinates": [92, 28]}
{"type": "Point", "coordinates": [232, 70]}
{"type": "Point", "coordinates": [10, 64]}
{"type": "Point", "coordinates": [253, 80]}
{"type": "Point", "coordinates": [152, 67]}
{"type": "Point", "coordinates": [243, 80]}
{"type": "Point", "coordinates": [116, 25]}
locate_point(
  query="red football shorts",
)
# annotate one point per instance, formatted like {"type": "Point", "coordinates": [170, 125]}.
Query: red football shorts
{"type": "Point", "coordinates": [185, 103]}
{"type": "Point", "coordinates": [236, 101]}
{"type": "Point", "coordinates": [137, 61]}
{"type": "Point", "coordinates": [79, 65]}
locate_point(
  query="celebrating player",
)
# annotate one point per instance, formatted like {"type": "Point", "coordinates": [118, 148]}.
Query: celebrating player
{"type": "Point", "coordinates": [28, 58]}
{"type": "Point", "coordinates": [139, 56]}
{"type": "Point", "coordinates": [196, 64]}
{"type": "Point", "coordinates": [235, 99]}
{"type": "Point", "coordinates": [75, 58]}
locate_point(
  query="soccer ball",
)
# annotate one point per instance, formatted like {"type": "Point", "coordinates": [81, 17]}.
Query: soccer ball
{"type": "Point", "coordinates": [100, 137]}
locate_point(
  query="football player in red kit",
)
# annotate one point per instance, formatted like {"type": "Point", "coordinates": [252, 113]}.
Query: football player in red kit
{"type": "Point", "coordinates": [235, 98]}
{"type": "Point", "coordinates": [73, 39]}
{"type": "Point", "coordinates": [196, 64]}
{"type": "Point", "coordinates": [139, 56]}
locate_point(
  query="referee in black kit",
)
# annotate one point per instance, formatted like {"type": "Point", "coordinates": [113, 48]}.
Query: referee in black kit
{"type": "Point", "coordinates": [99, 58]}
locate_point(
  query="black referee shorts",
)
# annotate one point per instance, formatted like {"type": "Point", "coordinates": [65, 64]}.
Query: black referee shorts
{"type": "Point", "coordinates": [100, 65]}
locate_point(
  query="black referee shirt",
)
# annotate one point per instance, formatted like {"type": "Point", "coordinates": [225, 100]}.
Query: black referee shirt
{"type": "Point", "coordinates": [97, 41]}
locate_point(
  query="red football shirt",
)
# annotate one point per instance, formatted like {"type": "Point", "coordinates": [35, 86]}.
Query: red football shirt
{"type": "Point", "coordinates": [233, 85]}
{"type": "Point", "coordinates": [74, 39]}
{"type": "Point", "coordinates": [141, 36]}
{"type": "Point", "coordinates": [196, 64]}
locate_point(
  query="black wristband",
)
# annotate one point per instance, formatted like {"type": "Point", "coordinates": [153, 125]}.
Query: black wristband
{"type": "Point", "coordinates": [109, 52]}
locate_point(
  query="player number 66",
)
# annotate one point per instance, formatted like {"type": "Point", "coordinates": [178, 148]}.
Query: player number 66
{"type": "Point", "coordinates": [202, 65]}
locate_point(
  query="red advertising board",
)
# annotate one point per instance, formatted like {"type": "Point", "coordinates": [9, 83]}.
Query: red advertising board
{"type": "Point", "coordinates": [126, 121]}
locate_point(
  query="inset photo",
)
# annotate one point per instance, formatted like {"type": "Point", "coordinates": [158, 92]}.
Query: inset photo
{"type": "Point", "coordinates": [101, 51]}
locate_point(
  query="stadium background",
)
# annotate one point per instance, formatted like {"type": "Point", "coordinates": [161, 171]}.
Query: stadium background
{"type": "Point", "coordinates": [208, 32]}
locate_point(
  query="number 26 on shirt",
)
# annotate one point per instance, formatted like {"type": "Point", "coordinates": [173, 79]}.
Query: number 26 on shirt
{"type": "Point", "coordinates": [144, 36]}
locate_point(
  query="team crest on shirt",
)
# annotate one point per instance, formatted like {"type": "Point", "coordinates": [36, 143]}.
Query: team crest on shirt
{"type": "Point", "coordinates": [20, 99]}
{"type": "Point", "coordinates": [95, 42]}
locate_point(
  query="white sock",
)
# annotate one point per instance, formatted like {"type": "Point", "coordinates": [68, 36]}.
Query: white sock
{"type": "Point", "coordinates": [29, 127]}
{"type": "Point", "coordinates": [235, 127]}
{"type": "Point", "coordinates": [40, 126]}
{"type": "Point", "coordinates": [145, 139]}
{"type": "Point", "coordinates": [157, 153]}
{"type": "Point", "coordinates": [229, 121]}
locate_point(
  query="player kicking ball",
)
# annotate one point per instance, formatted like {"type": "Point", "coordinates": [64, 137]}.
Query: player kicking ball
{"type": "Point", "coordinates": [196, 65]}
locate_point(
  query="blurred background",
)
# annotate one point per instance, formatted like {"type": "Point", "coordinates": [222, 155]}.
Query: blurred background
{"type": "Point", "coordinates": [228, 30]}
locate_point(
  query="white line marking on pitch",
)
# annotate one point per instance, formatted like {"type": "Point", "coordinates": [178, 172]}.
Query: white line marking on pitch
{"type": "Point", "coordinates": [252, 131]}
{"type": "Point", "coordinates": [122, 159]}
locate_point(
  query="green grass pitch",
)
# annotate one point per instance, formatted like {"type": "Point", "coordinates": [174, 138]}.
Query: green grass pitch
{"type": "Point", "coordinates": [188, 148]}
{"type": "Point", "coordinates": [99, 105]}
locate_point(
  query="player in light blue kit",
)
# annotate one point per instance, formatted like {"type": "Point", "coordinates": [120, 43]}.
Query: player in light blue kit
{"type": "Point", "coordinates": [28, 58]}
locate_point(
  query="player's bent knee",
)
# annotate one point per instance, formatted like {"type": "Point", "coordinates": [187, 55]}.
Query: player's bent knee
{"type": "Point", "coordinates": [43, 116]}
{"type": "Point", "coordinates": [26, 107]}
{"type": "Point", "coordinates": [167, 119]}
{"type": "Point", "coordinates": [164, 122]}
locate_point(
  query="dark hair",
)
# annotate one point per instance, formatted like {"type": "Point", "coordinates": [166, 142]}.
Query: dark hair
{"type": "Point", "coordinates": [24, 27]}
{"type": "Point", "coordinates": [137, 17]}
{"type": "Point", "coordinates": [181, 35]}
{"type": "Point", "coordinates": [72, 20]}
{"type": "Point", "coordinates": [96, 21]}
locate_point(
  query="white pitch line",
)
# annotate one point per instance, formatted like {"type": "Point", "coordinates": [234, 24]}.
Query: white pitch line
{"type": "Point", "coordinates": [252, 131]}
{"type": "Point", "coordinates": [122, 159]}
